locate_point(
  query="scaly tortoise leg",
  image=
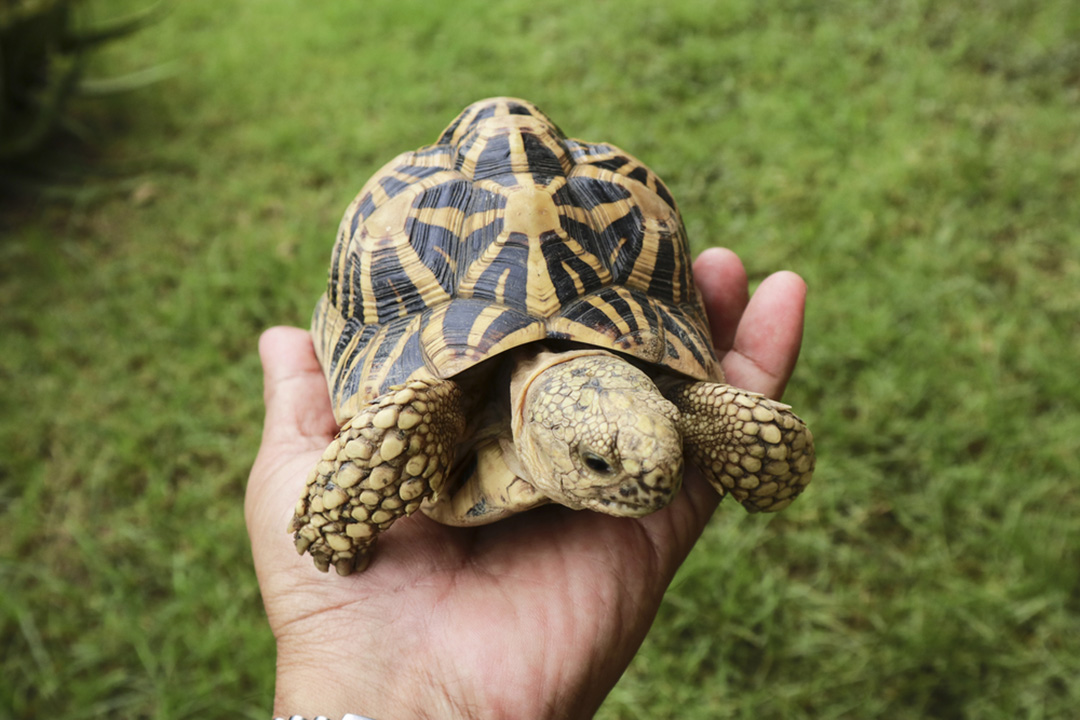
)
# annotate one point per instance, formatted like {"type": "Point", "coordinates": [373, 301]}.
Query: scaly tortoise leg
{"type": "Point", "coordinates": [382, 464]}
{"type": "Point", "coordinates": [744, 443]}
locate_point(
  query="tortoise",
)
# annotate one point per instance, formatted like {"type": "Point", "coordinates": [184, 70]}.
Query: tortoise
{"type": "Point", "coordinates": [511, 320]}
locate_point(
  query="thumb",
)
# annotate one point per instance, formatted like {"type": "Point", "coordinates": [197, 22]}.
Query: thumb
{"type": "Point", "coordinates": [298, 426]}
{"type": "Point", "coordinates": [298, 412]}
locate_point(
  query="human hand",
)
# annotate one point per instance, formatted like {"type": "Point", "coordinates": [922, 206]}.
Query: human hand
{"type": "Point", "coordinates": [536, 616]}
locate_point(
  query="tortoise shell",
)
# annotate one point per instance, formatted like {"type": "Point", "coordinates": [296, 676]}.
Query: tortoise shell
{"type": "Point", "coordinates": [505, 232]}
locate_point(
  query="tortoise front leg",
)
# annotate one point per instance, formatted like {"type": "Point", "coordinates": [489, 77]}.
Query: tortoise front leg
{"type": "Point", "coordinates": [744, 443]}
{"type": "Point", "coordinates": [382, 464]}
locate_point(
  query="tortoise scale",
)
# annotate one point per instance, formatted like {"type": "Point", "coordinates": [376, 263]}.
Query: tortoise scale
{"type": "Point", "coordinates": [511, 320]}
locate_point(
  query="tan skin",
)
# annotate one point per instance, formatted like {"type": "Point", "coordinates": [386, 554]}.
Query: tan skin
{"type": "Point", "coordinates": [534, 617]}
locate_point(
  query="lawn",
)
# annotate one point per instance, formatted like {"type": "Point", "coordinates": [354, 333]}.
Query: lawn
{"type": "Point", "coordinates": [917, 163]}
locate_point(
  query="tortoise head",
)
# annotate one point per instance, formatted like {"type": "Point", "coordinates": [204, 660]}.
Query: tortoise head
{"type": "Point", "coordinates": [593, 432]}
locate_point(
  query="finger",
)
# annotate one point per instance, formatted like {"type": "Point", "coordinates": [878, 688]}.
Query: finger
{"type": "Point", "coordinates": [721, 278]}
{"type": "Point", "coordinates": [298, 426]}
{"type": "Point", "coordinates": [294, 389]}
{"type": "Point", "coordinates": [769, 336]}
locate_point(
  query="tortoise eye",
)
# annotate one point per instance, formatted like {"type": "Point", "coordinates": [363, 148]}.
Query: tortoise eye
{"type": "Point", "coordinates": [597, 463]}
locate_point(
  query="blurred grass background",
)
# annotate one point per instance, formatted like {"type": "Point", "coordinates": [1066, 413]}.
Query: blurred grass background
{"type": "Point", "coordinates": [916, 162]}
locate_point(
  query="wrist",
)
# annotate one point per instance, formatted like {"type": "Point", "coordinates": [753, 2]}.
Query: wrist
{"type": "Point", "coordinates": [310, 690]}
{"type": "Point", "coordinates": [320, 679]}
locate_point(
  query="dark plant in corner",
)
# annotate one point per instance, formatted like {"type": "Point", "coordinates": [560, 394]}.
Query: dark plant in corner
{"type": "Point", "coordinates": [44, 48]}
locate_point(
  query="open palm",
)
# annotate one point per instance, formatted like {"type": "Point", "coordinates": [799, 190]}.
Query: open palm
{"type": "Point", "coordinates": [536, 616]}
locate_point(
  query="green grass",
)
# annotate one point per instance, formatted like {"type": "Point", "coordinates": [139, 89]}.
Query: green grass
{"type": "Point", "coordinates": [916, 162]}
